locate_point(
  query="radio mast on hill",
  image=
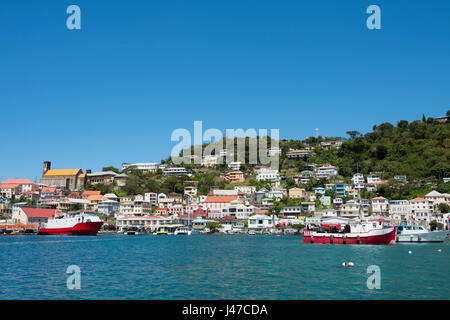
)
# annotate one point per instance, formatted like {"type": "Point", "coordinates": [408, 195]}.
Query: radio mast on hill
{"type": "Point", "coordinates": [317, 133]}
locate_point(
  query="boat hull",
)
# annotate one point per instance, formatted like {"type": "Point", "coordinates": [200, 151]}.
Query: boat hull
{"type": "Point", "coordinates": [82, 228]}
{"type": "Point", "coordinates": [380, 236]}
{"type": "Point", "coordinates": [433, 236]}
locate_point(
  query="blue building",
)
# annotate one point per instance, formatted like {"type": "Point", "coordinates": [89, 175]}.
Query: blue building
{"type": "Point", "coordinates": [319, 191]}
{"type": "Point", "coordinates": [339, 189]}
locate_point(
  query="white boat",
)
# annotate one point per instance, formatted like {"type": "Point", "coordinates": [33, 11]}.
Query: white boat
{"type": "Point", "coordinates": [251, 232]}
{"type": "Point", "coordinates": [417, 233]}
{"type": "Point", "coordinates": [183, 231]}
{"type": "Point", "coordinates": [76, 223]}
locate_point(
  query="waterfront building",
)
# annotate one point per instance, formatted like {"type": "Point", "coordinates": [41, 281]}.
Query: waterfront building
{"type": "Point", "coordinates": [235, 209]}
{"type": "Point", "coordinates": [399, 211]}
{"type": "Point", "coordinates": [31, 215]}
{"type": "Point", "coordinates": [215, 204]}
{"type": "Point", "coordinates": [422, 210]}
{"type": "Point", "coordinates": [259, 222]}
{"type": "Point", "coordinates": [148, 222]}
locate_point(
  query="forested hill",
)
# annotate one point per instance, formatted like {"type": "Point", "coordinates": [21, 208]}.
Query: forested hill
{"type": "Point", "coordinates": [420, 149]}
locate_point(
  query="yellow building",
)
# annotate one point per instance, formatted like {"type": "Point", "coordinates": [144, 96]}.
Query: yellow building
{"type": "Point", "coordinates": [70, 179]}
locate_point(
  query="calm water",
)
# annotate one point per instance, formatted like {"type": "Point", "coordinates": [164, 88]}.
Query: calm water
{"type": "Point", "coordinates": [216, 267]}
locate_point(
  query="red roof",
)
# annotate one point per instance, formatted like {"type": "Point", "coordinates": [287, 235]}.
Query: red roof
{"type": "Point", "coordinates": [91, 193]}
{"type": "Point", "coordinates": [38, 212]}
{"type": "Point", "coordinates": [220, 199]}
{"type": "Point", "coordinates": [17, 181]}
{"type": "Point", "coordinates": [419, 199]}
{"type": "Point", "coordinates": [9, 185]}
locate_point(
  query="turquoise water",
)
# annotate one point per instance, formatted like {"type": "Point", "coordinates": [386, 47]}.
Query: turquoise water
{"type": "Point", "coordinates": [217, 267]}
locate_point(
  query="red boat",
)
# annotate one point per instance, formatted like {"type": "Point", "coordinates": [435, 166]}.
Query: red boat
{"type": "Point", "coordinates": [84, 223]}
{"type": "Point", "coordinates": [373, 231]}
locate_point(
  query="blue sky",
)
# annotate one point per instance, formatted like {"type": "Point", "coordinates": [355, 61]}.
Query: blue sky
{"type": "Point", "coordinates": [115, 90]}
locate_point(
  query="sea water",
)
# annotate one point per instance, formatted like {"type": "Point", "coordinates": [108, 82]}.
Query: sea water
{"type": "Point", "coordinates": [217, 267]}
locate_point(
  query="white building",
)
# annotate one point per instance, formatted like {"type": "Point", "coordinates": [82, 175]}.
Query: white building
{"type": "Point", "coordinates": [399, 211]}
{"type": "Point", "coordinates": [151, 197]}
{"type": "Point", "coordinates": [147, 222]}
{"type": "Point", "coordinates": [237, 210]}
{"type": "Point", "coordinates": [267, 174]}
{"type": "Point", "coordinates": [437, 198]}
{"type": "Point", "coordinates": [373, 178]}
{"type": "Point", "coordinates": [274, 151]}
{"type": "Point", "coordinates": [380, 205]}
{"type": "Point", "coordinates": [248, 190]}
{"type": "Point", "coordinates": [261, 221]}
{"type": "Point", "coordinates": [422, 210]}
{"type": "Point", "coordinates": [209, 160]}
{"type": "Point", "coordinates": [146, 167]}
{"type": "Point", "coordinates": [326, 172]}
{"type": "Point", "coordinates": [176, 171]}
{"type": "Point", "coordinates": [358, 178]}
{"type": "Point", "coordinates": [235, 165]}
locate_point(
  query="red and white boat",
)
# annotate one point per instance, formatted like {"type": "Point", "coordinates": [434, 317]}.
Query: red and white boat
{"type": "Point", "coordinates": [373, 231]}
{"type": "Point", "coordinates": [83, 223]}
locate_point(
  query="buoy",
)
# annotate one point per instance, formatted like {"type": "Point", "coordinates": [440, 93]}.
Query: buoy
{"type": "Point", "coordinates": [409, 252]}
{"type": "Point", "coordinates": [439, 250]}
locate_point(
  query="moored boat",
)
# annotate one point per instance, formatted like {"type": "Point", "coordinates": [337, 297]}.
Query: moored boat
{"type": "Point", "coordinates": [373, 231]}
{"type": "Point", "coordinates": [417, 233]}
{"type": "Point", "coordinates": [83, 223]}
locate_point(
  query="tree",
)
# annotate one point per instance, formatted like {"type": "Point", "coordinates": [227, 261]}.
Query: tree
{"type": "Point", "coordinates": [111, 168]}
{"type": "Point", "coordinates": [444, 208]}
{"type": "Point", "coordinates": [213, 226]}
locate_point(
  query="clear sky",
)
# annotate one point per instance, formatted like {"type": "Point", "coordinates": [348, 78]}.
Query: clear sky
{"type": "Point", "coordinates": [115, 90]}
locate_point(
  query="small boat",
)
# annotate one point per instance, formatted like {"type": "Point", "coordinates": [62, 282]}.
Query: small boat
{"type": "Point", "coordinates": [183, 231]}
{"type": "Point", "coordinates": [251, 232]}
{"type": "Point", "coordinates": [417, 233]}
{"type": "Point", "coordinates": [131, 231]}
{"type": "Point", "coordinates": [168, 229]}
